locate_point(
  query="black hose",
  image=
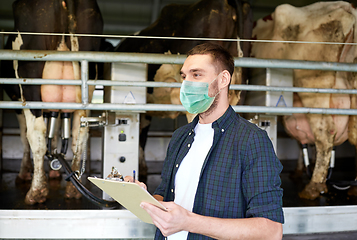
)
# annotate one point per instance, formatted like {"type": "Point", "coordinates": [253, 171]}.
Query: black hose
{"type": "Point", "coordinates": [329, 173]}
{"type": "Point", "coordinates": [343, 183]}
{"type": "Point", "coordinates": [71, 176]}
{"type": "Point", "coordinates": [64, 146]}
{"type": "Point", "coordinates": [49, 142]}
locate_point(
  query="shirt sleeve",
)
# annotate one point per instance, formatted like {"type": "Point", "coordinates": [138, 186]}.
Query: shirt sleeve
{"type": "Point", "coordinates": [261, 179]}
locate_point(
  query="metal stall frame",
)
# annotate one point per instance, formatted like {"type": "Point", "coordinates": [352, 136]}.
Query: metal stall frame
{"type": "Point", "coordinates": [122, 224]}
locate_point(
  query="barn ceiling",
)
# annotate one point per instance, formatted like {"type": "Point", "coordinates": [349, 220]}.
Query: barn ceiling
{"type": "Point", "coordinates": [127, 17]}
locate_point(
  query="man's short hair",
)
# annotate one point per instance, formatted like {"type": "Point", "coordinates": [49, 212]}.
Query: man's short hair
{"type": "Point", "coordinates": [220, 56]}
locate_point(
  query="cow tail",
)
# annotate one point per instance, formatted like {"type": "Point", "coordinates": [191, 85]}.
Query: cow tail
{"type": "Point", "coordinates": [16, 45]}
{"type": "Point", "coordinates": [244, 31]}
{"type": "Point", "coordinates": [244, 23]}
{"type": "Point", "coordinates": [72, 26]}
{"type": "Point", "coordinates": [72, 22]}
{"type": "Point", "coordinates": [240, 23]}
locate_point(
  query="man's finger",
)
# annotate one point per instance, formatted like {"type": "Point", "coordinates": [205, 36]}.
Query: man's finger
{"type": "Point", "coordinates": [128, 179]}
{"type": "Point", "coordinates": [150, 208]}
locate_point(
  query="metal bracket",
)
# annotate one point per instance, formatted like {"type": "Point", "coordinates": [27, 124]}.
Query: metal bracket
{"type": "Point", "coordinates": [107, 119]}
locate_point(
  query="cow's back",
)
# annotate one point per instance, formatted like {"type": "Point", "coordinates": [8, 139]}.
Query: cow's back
{"type": "Point", "coordinates": [204, 19]}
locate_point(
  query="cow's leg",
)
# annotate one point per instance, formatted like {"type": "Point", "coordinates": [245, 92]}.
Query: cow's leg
{"type": "Point", "coordinates": [36, 131]}
{"type": "Point", "coordinates": [79, 136]}
{"type": "Point", "coordinates": [323, 128]}
{"type": "Point", "coordinates": [26, 168]}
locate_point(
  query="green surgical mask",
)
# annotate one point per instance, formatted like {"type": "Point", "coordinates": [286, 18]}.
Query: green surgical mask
{"type": "Point", "coordinates": [194, 96]}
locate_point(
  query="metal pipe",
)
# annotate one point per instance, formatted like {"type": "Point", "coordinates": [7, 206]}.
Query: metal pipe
{"type": "Point", "coordinates": [294, 64]}
{"type": "Point", "coordinates": [305, 155]}
{"type": "Point", "coordinates": [46, 116]}
{"type": "Point", "coordinates": [52, 127]}
{"type": "Point", "coordinates": [290, 110]}
{"type": "Point", "coordinates": [90, 56]}
{"type": "Point", "coordinates": [291, 89]}
{"type": "Point", "coordinates": [153, 58]}
{"type": "Point", "coordinates": [51, 130]}
{"type": "Point", "coordinates": [84, 70]}
{"type": "Point", "coordinates": [40, 81]}
{"type": "Point", "coordinates": [169, 107]}
{"type": "Point", "coordinates": [66, 125]}
{"type": "Point", "coordinates": [66, 131]}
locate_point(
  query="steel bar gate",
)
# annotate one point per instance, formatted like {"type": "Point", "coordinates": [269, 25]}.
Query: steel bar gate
{"type": "Point", "coordinates": [102, 224]}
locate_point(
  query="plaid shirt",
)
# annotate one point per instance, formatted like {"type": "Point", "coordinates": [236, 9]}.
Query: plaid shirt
{"type": "Point", "coordinates": [240, 175]}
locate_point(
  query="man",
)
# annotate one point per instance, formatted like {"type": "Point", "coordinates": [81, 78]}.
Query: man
{"type": "Point", "coordinates": [221, 176]}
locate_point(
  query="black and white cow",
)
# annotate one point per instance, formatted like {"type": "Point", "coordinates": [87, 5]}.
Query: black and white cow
{"type": "Point", "coordinates": [50, 16]}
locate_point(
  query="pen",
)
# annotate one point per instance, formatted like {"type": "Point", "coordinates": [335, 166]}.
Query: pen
{"type": "Point", "coordinates": [134, 176]}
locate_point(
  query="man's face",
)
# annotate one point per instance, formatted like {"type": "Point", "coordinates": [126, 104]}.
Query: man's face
{"type": "Point", "coordinates": [199, 68]}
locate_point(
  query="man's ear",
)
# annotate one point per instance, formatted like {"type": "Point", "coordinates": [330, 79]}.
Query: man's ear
{"type": "Point", "coordinates": [225, 79]}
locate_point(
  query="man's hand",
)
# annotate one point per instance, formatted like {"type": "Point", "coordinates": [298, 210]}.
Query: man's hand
{"type": "Point", "coordinates": [173, 220]}
{"type": "Point", "coordinates": [131, 179]}
{"type": "Point", "coordinates": [176, 219]}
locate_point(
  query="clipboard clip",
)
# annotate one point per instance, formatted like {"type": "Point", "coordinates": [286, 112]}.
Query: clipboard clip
{"type": "Point", "coordinates": [115, 175]}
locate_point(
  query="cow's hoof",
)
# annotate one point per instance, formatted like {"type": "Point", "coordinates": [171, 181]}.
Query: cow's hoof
{"type": "Point", "coordinates": [54, 174]}
{"type": "Point", "coordinates": [313, 190]}
{"type": "Point", "coordinates": [352, 191]}
{"type": "Point", "coordinates": [36, 196]}
{"type": "Point", "coordinates": [72, 192]}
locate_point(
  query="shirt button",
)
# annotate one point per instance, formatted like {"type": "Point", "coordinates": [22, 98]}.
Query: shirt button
{"type": "Point", "coordinates": [188, 145]}
{"type": "Point", "coordinates": [222, 130]}
{"type": "Point", "coordinates": [190, 133]}
{"type": "Point", "coordinates": [172, 190]}
{"type": "Point", "coordinates": [176, 165]}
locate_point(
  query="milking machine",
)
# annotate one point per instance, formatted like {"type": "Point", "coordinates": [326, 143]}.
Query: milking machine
{"type": "Point", "coordinates": [58, 160]}
{"type": "Point", "coordinates": [51, 121]}
{"type": "Point", "coordinates": [339, 185]}
{"type": "Point", "coordinates": [120, 135]}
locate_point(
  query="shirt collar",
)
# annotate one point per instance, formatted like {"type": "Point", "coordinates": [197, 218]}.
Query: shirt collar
{"type": "Point", "coordinates": [221, 123]}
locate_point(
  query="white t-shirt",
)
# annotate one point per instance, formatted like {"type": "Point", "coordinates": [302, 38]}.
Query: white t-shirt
{"type": "Point", "coordinates": [188, 174]}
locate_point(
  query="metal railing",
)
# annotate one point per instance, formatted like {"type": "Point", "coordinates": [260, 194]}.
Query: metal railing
{"type": "Point", "coordinates": [85, 57]}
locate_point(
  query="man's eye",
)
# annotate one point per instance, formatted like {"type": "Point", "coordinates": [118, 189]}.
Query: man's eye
{"type": "Point", "coordinates": [183, 77]}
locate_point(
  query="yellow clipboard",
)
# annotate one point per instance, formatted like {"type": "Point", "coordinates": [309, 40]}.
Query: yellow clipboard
{"type": "Point", "coordinates": [128, 194]}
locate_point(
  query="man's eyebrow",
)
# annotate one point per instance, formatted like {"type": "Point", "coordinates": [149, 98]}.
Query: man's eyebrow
{"type": "Point", "coordinates": [193, 70]}
{"type": "Point", "coordinates": [197, 70]}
